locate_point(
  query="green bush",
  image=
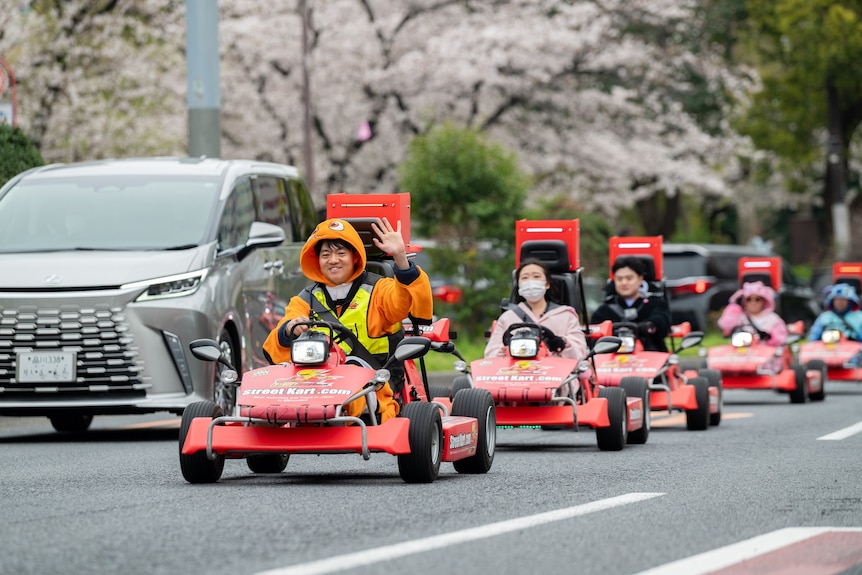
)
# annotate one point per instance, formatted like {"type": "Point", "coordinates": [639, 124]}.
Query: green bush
{"type": "Point", "coordinates": [17, 153]}
{"type": "Point", "coordinates": [466, 194]}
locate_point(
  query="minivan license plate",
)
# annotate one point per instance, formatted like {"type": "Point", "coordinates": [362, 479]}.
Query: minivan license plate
{"type": "Point", "coordinates": [46, 367]}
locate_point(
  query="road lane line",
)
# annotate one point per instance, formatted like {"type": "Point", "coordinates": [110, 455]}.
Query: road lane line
{"type": "Point", "coordinates": [842, 433]}
{"type": "Point", "coordinates": [717, 559]}
{"type": "Point", "coordinates": [389, 552]}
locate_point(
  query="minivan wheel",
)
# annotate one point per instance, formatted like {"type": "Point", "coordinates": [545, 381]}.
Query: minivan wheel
{"type": "Point", "coordinates": [224, 395]}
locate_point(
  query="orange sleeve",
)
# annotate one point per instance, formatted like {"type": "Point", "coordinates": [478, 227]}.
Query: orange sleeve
{"type": "Point", "coordinates": [392, 301]}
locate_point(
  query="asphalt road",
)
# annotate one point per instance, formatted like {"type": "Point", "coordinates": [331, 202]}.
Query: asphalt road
{"type": "Point", "coordinates": [113, 500]}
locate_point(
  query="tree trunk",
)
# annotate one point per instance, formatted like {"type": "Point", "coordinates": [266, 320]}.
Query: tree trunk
{"type": "Point", "coordinates": [836, 176]}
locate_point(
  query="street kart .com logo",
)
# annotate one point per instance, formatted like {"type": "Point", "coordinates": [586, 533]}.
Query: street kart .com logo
{"type": "Point", "coordinates": [320, 377]}
{"type": "Point", "coordinates": [524, 367]}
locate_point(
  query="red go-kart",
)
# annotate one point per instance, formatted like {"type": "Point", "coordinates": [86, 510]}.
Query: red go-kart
{"type": "Point", "coordinates": [834, 350]}
{"type": "Point", "coordinates": [531, 388]}
{"type": "Point", "coordinates": [697, 393]}
{"type": "Point", "coordinates": [831, 354]}
{"type": "Point", "coordinates": [298, 407]}
{"type": "Point", "coordinates": [748, 362]}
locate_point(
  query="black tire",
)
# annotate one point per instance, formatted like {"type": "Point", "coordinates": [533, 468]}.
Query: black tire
{"type": "Point", "coordinates": [197, 467]}
{"type": "Point", "coordinates": [479, 404]}
{"type": "Point", "coordinates": [71, 422]}
{"type": "Point", "coordinates": [440, 391]}
{"type": "Point", "coordinates": [696, 363]}
{"type": "Point", "coordinates": [422, 464]}
{"type": "Point", "coordinates": [225, 395]}
{"type": "Point", "coordinates": [461, 382]}
{"type": "Point", "coordinates": [713, 377]}
{"type": "Point", "coordinates": [819, 365]}
{"type": "Point", "coordinates": [800, 393]}
{"type": "Point", "coordinates": [697, 419]}
{"type": "Point", "coordinates": [267, 462]}
{"type": "Point", "coordinates": [614, 437]}
{"type": "Point", "coordinates": [638, 387]}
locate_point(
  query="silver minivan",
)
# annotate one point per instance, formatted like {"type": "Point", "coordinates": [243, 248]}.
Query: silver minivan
{"type": "Point", "coordinates": [108, 269]}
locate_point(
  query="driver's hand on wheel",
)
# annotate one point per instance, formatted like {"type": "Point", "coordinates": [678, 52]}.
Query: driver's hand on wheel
{"type": "Point", "coordinates": [292, 329]}
{"type": "Point", "coordinates": [555, 343]}
{"type": "Point", "coordinates": [646, 328]}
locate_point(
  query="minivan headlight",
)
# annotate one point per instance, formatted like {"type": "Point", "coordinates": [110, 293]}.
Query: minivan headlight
{"type": "Point", "coordinates": [170, 286]}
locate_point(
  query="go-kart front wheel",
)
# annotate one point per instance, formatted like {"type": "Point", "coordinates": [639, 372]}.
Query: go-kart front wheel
{"type": "Point", "coordinates": [638, 387]}
{"type": "Point", "coordinates": [697, 419]}
{"type": "Point", "coordinates": [479, 404]}
{"type": "Point", "coordinates": [614, 437]}
{"type": "Point", "coordinates": [713, 377]}
{"type": "Point", "coordinates": [820, 366]}
{"type": "Point", "coordinates": [197, 467]}
{"type": "Point", "coordinates": [799, 394]}
{"type": "Point", "coordinates": [425, 434]}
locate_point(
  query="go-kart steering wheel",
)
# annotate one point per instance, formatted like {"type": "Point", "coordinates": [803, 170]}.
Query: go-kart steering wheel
{"type": "Point", "coordinates": [545, 334]}
{"type": "Point", "coordinates": [333, 327]}
{"type": "Point", "coordinates": [626, 325]}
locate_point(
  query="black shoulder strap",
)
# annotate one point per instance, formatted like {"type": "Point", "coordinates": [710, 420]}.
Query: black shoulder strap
{"type": "Point", "coordinates": [520, 313]}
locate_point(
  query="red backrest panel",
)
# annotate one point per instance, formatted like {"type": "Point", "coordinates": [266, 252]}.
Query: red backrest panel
{"type": "Point", "coordinates": [555, 242]}
{"type": "Point", "coordinates": [765, 269]}
{"type": "Point", "coordinates": [647, 248]}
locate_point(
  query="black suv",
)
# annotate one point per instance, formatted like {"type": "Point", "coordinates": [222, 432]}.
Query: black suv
{"type": "Point", "coordinates": [700, 278]}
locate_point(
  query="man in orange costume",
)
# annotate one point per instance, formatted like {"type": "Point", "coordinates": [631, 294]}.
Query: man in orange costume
{"type": "Point", "coordinates": [371, 306]}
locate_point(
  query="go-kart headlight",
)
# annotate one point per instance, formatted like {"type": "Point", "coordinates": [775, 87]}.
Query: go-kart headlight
{"type": "Point", "coordinates": [741, 339]}
{"type": "Point", "coordinates": [310, 349]}
{"type": "Point", "coordinates": [830, 336]}
{"type": "Point", "coordinates": [523, 347]}
{"type": "Point", "coordinates": [627, 344]}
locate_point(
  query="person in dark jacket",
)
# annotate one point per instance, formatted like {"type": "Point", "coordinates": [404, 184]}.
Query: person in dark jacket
{"type": "Point", "coordinates": [631, 301]}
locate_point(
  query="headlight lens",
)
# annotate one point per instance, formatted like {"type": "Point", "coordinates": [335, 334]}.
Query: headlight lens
{"type": "Point", "coordinates": [627, 345]}
{"type": "Point", "coordinates": [830, 336]}
{"type": "Point", "coordinates": [741, 339]}
{"type": "Point", "coordinates": [312, 351]}
{"type": "Point", "coordinates": [523, 347]}
{"type": "Point", "coordinates": [170, 286]}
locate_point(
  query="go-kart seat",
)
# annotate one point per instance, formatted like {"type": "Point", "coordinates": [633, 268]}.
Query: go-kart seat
{"type": "Point", "coordinates": [554, 254]}
{"type": "Point", "coordinates": [655, 285]}
{"type": "Point", "coordinates": [851, 281]}
{"type": "Point", "coordinates": [756, 277]}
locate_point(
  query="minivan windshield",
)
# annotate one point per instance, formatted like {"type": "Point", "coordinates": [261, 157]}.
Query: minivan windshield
{"type": "Point", "coordinates": [128, 212]}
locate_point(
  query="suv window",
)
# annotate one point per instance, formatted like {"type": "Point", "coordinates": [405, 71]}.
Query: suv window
{"type": "Point", "coordinates": [272, 204]}
{"type": "Point", "coordinates": [684, 264]}
{"type": "Point", "coordinates": [237, 216]}
{"type": "Point", "coordinates": [723, 265]}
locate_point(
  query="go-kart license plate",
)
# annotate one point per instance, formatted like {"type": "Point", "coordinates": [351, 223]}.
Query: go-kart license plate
{"type": "Point", "coordinates": [46, 366]}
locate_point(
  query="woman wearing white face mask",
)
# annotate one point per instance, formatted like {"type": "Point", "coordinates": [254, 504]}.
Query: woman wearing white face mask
{"type": "Point", "coordinates": [533, 287]}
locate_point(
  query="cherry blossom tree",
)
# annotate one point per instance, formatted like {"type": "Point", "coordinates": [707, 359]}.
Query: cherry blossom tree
{"type": "Point", "coordinates": [596, 97]}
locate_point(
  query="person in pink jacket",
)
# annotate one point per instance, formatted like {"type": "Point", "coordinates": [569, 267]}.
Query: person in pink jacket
{"type": "Point", "coordinates": [533, 286]}
{"type": "Point", "coordinates": [754, 305]}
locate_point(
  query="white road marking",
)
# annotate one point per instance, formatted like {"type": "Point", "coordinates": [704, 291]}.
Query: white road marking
{"type": "Point", "coordinates": [389, 552]}
{"type": "Point", "coordinates": [842, 433]}
{"type": "Point", "coordinates": [730, 555]}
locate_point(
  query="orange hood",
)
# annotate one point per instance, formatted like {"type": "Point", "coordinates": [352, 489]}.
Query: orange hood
{"type": "Point", "coordinates": [332, 229]}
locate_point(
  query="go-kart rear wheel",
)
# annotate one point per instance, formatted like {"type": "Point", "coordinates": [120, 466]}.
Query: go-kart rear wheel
{"type": "Point", "coordinates": [477, 403]}
{"type": "Point", "coordinates": [197, 467]}
{"type": "Point", "coordinates": [818, 365]}
{"type": "Point", "coordinates": [713, 376]}
{"type": "Point", "coordinates": [422, 464]}
{"type": "Point", "coordinates": [71, 422]}
{"type": "Point", "coordinates": [638, 387]}
{"type": "Point", "coordinates": [697, 419]}
{"type": "Point", "coordinates": [799, 394]}
{"type": "Point", "coordinates": [267, 462]}
{"type": "Point", "coordinates": [693, 363]}
{"type": "Point", "coordinates": [461, 382]}
{"type": "Point", "coordinates": [614, 437]}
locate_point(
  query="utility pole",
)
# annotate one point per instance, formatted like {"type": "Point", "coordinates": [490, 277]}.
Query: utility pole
{"type": "Point", "coordinates": [306, 100]}
{"type": "Point", "coordinates": [203, 96]}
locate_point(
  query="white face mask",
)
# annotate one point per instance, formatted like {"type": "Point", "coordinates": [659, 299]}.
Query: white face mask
{"type": "Point", "coordinates": [532, 291]}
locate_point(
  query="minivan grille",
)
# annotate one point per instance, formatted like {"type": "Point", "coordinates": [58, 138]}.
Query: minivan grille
{"type": "Point", "coordinates": [100, 336]}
